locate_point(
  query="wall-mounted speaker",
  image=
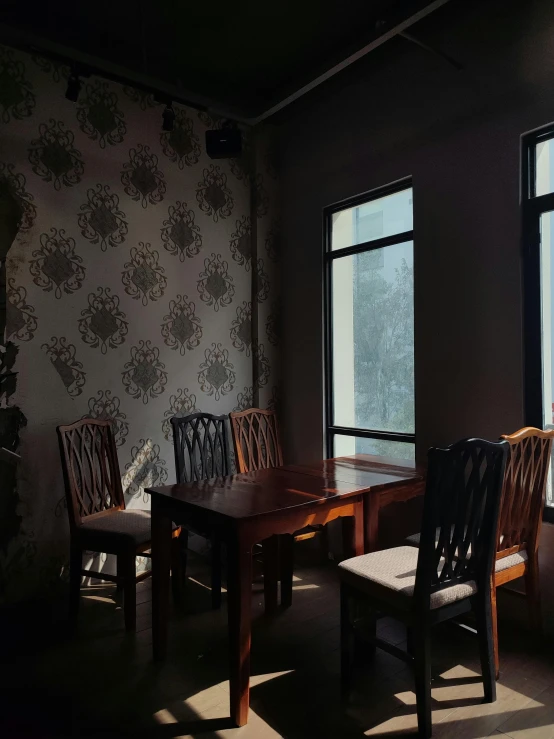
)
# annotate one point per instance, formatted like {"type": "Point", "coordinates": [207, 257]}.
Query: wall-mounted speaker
{"type": "Point", "coordinates": [223, 143]}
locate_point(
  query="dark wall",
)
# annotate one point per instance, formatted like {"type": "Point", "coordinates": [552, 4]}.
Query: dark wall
{"type": "Point", "coordinates": [400, 112]}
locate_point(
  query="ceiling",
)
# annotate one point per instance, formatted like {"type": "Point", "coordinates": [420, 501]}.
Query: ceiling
{"type": "Point", "coordinates": [243, 57]}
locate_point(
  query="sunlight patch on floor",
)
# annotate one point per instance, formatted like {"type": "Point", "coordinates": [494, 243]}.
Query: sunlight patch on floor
{"type": "Point", "coordinates": [208, 704]}
{"type": "Point", "coordinates": [99, 598]}
{"type": "Point", "coordinates": [164, 717]}
{"type": "Point", "coordinates": [203, 585]}
{"type": "Point", "coordinates": [259, 679]}
{"type": "Point", "coordinates": [449, 706]}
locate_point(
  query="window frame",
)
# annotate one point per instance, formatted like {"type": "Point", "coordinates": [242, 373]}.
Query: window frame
{"type": "Point", "coordinates": [330, 429]}
{"type": "Point", "coordinates": [533, 206]}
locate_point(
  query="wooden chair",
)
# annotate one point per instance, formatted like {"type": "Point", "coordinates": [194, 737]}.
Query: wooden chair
{"type": "Point", "coordinates": [519, 522]}
{"type": "Point", "coordinates": [257, 442]}
{"type": "Point", "coordinates": [448, 575]}
{"type": "Point", "coordinates": [256, 439]}
{"type": "Point", "coordinates": [98, 519]}
{"type": "Point", "coordinates": [201, 452]}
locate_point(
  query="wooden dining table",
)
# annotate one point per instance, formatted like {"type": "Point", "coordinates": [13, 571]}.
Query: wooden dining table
{"type": "Point", "coordinates": [245, 509]}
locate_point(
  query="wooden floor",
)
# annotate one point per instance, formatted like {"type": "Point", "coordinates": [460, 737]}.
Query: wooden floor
{"type": "Point", "coordinates": [104, 683]}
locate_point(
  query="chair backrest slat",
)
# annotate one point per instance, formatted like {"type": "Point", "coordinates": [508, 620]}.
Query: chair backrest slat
{"type": "Point", "coordinates": [256, 439]}
{"type": "Point", "coordinates": [90, 468]}
{"type": "Point", "coordinates": [524, 490]}
{"type": "Point", "coordinates": [201, 446]}
{"type": "Point", "coordinates": [460, 513]}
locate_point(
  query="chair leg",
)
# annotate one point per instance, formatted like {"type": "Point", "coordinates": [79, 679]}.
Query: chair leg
{"type": "Point", "coordinates": [494, 626]}
{"type": "Point", "coordinates": [177, 568]}
{"type": "Point", "coordinates": [286, 556]}
{"type": "Point", "coordinates": [533, 593]}
{"type": "Point", "coordinates": [75, 567]}
{"type": "Point", "coordinates": [346, 641]}
{"type": "Point", "coordinates": [128, 568]}
{"type": "Point", "coordinates": [484, 617]}
{"type": "Point", "coordinates": [364, 646]}
{"type": "Point", "coordinates": [216, 572]}
{"type": "Point", "coordinates": [422, 674]}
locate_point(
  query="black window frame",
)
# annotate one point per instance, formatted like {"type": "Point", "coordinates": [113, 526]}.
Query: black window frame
{"type": "Point", "coordinates": [533, 206]}
{"type": "Point", "coordinates": [329, 256]}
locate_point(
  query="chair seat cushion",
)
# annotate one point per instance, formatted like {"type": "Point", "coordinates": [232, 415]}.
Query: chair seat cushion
{"type": "Point", "coordinates": [396, 569]}
{"type": "Point", "coordinates": [413, 540]}
{"type": "Point", "coordinates": [504, 563]}
{"type": "Point", "coordinates": [132, 527]}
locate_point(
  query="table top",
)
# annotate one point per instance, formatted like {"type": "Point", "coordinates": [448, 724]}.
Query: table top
{"type": "Point", "coordinates": [272, 490]}
{"type": "Point", "coordinates": [361, 468]}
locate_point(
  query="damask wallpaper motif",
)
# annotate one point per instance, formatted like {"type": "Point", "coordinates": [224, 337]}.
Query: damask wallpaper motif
{"type": "Point", "coordinates": [130, 287]}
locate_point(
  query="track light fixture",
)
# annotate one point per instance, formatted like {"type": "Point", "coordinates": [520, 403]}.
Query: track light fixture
{"type": "Point", "coordinates": [168, 116]}
{"type": "Point", "coordinates": [73, 86]}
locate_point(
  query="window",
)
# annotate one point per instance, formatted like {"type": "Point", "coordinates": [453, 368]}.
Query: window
{"type": "Point", "coordinates": [369, 315]}
{"type": "Point", "coordinates": [538, 265]}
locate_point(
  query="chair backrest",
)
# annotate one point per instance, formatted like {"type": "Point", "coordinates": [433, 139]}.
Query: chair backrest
{"type": "Point", "coordinates": [201, 446]}
{"type": "Point", "coordinates": [256, 439]}
{"type": "Point", "coordinates": [524, 490]}
{"type": "Point", "coordinates": [90, 468]}
{"type": "Point", "coordinates": [460, 514]}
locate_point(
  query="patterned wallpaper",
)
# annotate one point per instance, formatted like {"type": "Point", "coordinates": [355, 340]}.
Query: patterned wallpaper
{"type": "Point", "coordinates": [139, 275]}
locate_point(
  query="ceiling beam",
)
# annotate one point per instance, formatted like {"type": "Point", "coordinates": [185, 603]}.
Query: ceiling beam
{"type": "Point", "coordinates": [380, 37]}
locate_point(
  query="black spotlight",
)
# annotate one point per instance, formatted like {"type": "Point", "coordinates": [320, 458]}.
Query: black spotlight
{"type": "Point", "coordinates": [73, 87]}
{"type": "Point", "coordinates": [168, 117]}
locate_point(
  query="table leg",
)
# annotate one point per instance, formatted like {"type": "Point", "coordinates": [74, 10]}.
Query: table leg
{"type": "Point", "coordinates": [358, 543]}
{"type": "Point", "coordinates": [161, 563]}
{"type": "Point", "coordinates": [371, 521]}
{"type": "Point", "coordinates": [239, 586]}
{"type": "Point", "coordinates": [270, 554]}
{"type": "Point", "coordinates": [353, 531]}
{"type": "Point", "coordinates": [286, 556]}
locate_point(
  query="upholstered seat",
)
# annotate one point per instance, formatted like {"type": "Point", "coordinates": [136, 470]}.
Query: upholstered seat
{"type": "Point", "coordinates": [396, 569]}
{"type": "Point", "coordinates": [512, 560]}
{"type": "Point", "coordinates": [133, 525]}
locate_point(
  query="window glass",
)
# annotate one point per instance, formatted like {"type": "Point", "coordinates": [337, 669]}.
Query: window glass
{"type": "Point", "coordinates": [345, 446]}
{"type": "Point", "coordinates": [547, 319]}
{"type": "Point", "coordinates": [544, 167]}
{"type": "Point", "coordinates": [373, 339]}
{"type": "Point", "coordinates": [375, 219]}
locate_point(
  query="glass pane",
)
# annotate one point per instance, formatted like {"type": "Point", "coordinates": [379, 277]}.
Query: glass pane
{"type": "Point", "coordinates": [386, 216]}
{"type": "Point", "coordinates": [547, 281]}
{"type": "Point", "coordinates": [344, 446]}
{"type": "Point", "coordinates": [544, 167]}
{"type": "Point", "coordinates": [373, 339]}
